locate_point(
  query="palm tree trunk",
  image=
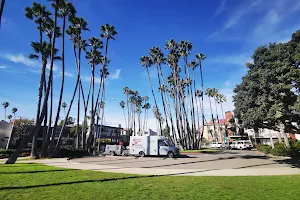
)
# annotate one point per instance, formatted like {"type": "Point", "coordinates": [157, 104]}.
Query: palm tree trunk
{"type": "Point", "coordinates": [1, 10]}
{"type": "Point", "coordinates": [62, 83]}
{"type": "Point", "coordinates": [78, 116]}
{"type": "Point", "coordinates": [219, 129]}
{"type": "Point", "coordinates": [34, 153]}
{"type": "Point", "coordinates": [162, 97]}
{"type": "Point", "coordinates": [125, 117]}
{"type": "Point", "coordinates": [197, 109]}
{"type": "Point", "coordinates": [40, 117]}
{"type": "Point", "coordinates": [202, 101]}
{"type": "Point", "coordinates": [160, 125]}
{"type": "Point", "coordinates": [212, 115]}
{"type": "Point", "coordinates": [45, 139]}
{"type": "Point", "coordinates": [57, 147]}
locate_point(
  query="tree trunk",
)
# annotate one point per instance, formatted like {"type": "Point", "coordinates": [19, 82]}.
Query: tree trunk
{"type": "Point", "coordinates": [202, 101]}
{"type": "Point", "coordinates": [271, 139]}
{"type": "Point", "coordinates": [282, 132]}
{"type": "Point", "coordinates": [62, 84]}
{"type": "Point", "coordinates": [212, 116]}
{"type": "Point", "coordinates": [160, 125]}
{"type": "Point", "coordinates": [12, 159]}
{"type": "Point", "coordinates": [1, 10]}
{"type": "Point", "coordinates": [57, 147]}
{"type": "Point", "coordinates": [34, 153]}
{"type": "Point", "coordinates": [219, 129]}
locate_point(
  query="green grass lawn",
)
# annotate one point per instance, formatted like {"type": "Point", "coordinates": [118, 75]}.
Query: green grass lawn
{"type": "Point", "coordinates": [33, 181]}
{"type": "Point", "coordinates": [203, 150]}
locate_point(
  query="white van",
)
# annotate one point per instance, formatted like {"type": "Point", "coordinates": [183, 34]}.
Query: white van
{"type": "Point", "coordinates": [152, 146]}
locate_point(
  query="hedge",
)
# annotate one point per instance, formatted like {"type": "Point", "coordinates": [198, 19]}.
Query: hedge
{"type": "Point", "coordinates": [281, 149]}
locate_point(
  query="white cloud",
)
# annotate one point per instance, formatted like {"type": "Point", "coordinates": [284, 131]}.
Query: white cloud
{"type": "Point", "coordinates": [67, 74]}
{"type": "Point", "coordinates": [220, 9]}
{"type": "Point", "coordinates": [20, 58]}
{"type": "Point", "coordinates": [87, 79]}
{"type": "Point", "coordinates": [240, 12]}
{"type": "Point", "coordinates": [115, 75]}
{"type": "Point", "coordinates": [239, 59]}
{"type": "Point", "coordinates": [2, 67]}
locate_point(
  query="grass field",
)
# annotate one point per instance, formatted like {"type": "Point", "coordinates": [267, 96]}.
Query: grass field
{"type": "Point", "coordinates": [33, 181]}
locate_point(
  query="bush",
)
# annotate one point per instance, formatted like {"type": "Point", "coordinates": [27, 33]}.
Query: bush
{"type": "Point", "coordinates": [281, 150]}
{"type": "Point", "coordinates": [68, 151]}
{"type": "Point", "coordinates": [264, 148]}
{"type": "Point", "coordinates": [6, 153]}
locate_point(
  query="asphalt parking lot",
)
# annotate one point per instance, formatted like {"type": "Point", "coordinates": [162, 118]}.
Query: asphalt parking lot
{"type": "Point", "coordinates": [230, 159]}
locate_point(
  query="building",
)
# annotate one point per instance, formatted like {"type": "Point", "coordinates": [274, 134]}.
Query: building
{"type": "Point", "coordinates": [5, 131]}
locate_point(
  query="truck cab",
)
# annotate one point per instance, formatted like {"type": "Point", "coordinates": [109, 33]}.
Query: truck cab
{"type": "Point", "coordinates": [152, 146]}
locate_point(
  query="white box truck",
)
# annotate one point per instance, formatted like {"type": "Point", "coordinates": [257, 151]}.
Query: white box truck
{"type": "Point", "coordinates": [152, 146]}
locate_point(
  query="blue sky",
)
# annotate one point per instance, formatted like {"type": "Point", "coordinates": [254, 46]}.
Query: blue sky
{"type": "Point", "coordinates": [227, 31]}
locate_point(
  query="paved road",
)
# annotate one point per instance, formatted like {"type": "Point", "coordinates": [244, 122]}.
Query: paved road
{"type": "Point", "coordinates": [226, 160]}
{"type": "Point", "coordinates": [227, 163]}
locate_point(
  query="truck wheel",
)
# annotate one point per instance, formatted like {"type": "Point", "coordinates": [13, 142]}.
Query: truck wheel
{"type": "Point", "coordinates": [170, 154]}
{"type": "Point", "coordinates": [112, 153]}
{"type": "Point", "coordinates": [142, 154]}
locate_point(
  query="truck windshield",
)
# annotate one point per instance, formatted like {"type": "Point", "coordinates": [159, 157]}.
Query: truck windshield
{"type": "Point", "coordinates": [169, 143]}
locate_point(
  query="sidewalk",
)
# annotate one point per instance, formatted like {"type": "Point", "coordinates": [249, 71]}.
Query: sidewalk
{"type": "Point", "coordinates": [62, 162]}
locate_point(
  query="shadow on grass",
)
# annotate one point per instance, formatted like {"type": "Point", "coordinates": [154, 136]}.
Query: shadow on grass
{"type": "Point", "coordinates": [38, 171]}
{"type": "Point", "coordinates": [75, 182]}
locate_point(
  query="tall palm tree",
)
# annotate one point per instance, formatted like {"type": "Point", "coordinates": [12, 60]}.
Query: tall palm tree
{"type": "Point", "coordinates": [66, 9]}
{"type": "Point", "coordinates": [146, 62]}
{"type": "Point", "coordinates": [1, 9]}
{"type": "Point", "coordinates": [5, 105]}
{"type": "Point", "coordinates": [200, 57]}
{"type": "Point", "coordinates": [122, 104]}
{"type": "Point", "coordinates": [210, 93]}
{"type": "Point", "coordinates": [94, 57]}
{"type": "Point", "coordinates": [14, 110]}
{"type": "Point", "coordinates": [215, 97]}
{"type": "Point", "coordinates": [126, 91]}
{"type": "Point", "coordinates": [40, 15]}
{"type": "Point", "coordinates": [78, 25]}
{"type": "Point", "coordinates": [222, 99]}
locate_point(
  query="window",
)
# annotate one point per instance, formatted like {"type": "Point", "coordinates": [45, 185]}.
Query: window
{"type": "Point", "coordinates": [161, 143]}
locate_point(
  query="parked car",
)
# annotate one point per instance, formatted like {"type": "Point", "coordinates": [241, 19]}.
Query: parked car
{"type": "Point", "coordinates": [242, 145]}
{"type": "Point", "coordinates": [226, 145]}
{"type": "Point", "coordinates": [116, 150]}
{"type": "Point", "coordinates": [216, 144]}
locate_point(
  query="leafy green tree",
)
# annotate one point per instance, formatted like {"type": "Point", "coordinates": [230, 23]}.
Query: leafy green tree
{"type": "Point", "coordinates": [267, 96]}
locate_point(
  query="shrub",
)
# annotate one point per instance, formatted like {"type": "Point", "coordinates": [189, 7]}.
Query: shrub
{"type": "Point", "coordinates": [264, 148]}
{"type": "Point", "coordinates": [72, 152]}
{"type": "Point", "coordinates": [281, 150]}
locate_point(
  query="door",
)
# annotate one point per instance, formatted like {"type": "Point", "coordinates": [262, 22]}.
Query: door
{"type": "Point", "coordinates": [163, 147]}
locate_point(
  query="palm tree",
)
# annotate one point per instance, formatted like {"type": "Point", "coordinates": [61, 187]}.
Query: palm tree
{"type": "Point", "coordinates": [146, 62]}
{"type": "Point", "coordinates": [9, 117]}
{"type": "Point", "coordinates": [126, 91]}
{"type": "Point", "coordinates": [75, 31]}
{"type": "Point", "coordinates": [94, 57]}
{"type": "Point", "coordinates": [1, 9]}
{"type": "Point", "coordinates": [215, 96]}
{"type": "Point", "coordinates": [64, 105]}
{"type": "Point", "coordinates": [14, 110]}
{"type": "Point", "coordinates": [200, 57]}
{"type": "Point", "coordinates": [122, 104]}
{"type": "Point", "coordinates": [39, 14]}
{"type": "Point", "coordinates": [66, 9]}
{"type": "Point", "coordinates": [222, 99]}
{"type": "Point", "coordinates": [210, 93]}
{"type": "Point", "coordinates": [5, 105]}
